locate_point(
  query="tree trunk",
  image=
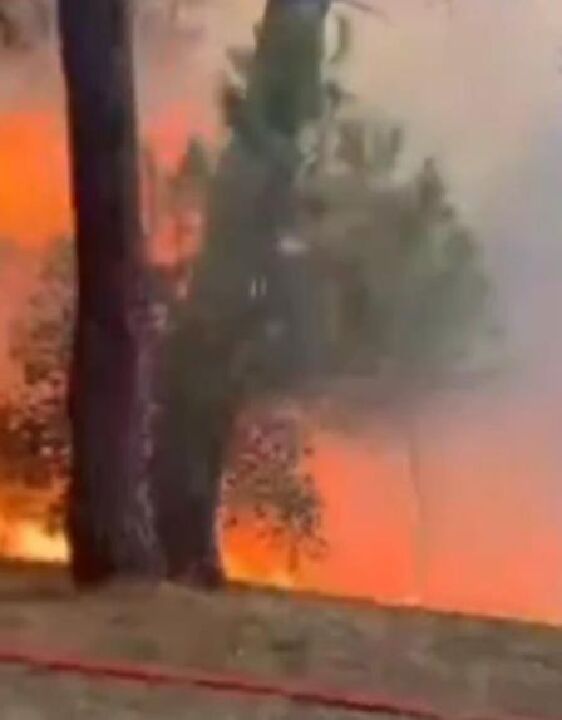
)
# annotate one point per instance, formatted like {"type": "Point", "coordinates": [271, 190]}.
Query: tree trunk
{"type": "Point", "coordinates": [188, 471]}
{"type": "Point", "coordinates": [191, 432]}
{"type": "Point", "coordinates": [111, 516]}
{"type": "Point", "coordinates": [201, 394]}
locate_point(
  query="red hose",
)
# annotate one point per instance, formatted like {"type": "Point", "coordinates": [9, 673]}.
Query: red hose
{"type": "Point", "coordinates": [299, 694]}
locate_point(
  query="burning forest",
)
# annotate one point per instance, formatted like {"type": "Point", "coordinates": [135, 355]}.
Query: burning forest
{"type": "Point", "coordinates": [342, 369]}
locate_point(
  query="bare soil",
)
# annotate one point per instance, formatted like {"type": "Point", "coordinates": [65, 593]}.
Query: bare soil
{"type": "Point", "coordinates": [463, 667]}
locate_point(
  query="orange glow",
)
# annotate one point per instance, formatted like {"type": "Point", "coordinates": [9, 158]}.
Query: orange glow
{"type": "Point", "coordinates": [369, 526]}
{"type": "Point", "coordinates": [34, 184]}
{"type": "Point", "coordinates": [23, 531]}
{"type": "Point", "coordinates": [248, 561]}
{"type": "Point", "coordinates": [34, 179]}
{"type": "Point", "coordinates": [26, 540]}
{"type": "Point", "coordinates": [167, 132]}
{"type": "Point", "coordinates": [493, 541]}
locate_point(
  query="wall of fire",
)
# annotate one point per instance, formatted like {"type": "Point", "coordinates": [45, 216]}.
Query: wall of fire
{"type": "Point", "coordinates": [478, 89]}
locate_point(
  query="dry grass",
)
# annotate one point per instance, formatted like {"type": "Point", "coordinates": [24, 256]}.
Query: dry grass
{"type": "Point", "coordinates": [456, 664]}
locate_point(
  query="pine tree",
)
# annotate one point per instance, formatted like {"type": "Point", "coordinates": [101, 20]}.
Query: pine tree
{"type": "Point", "coordinates": [213, 365]}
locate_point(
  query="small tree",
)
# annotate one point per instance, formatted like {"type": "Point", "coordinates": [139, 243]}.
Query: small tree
{"type": "Point", "coordinates": [268, 484]}
{"type": "Point", "coordinates": [224, 338]}
{"type": "Point", "coordinates": [41, 346]}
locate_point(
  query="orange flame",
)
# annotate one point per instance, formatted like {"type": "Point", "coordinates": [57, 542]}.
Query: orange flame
{"type": "Point", "coordinates": [494, 545]}
{"type": "Point", "coordinates": [23, 530]}
{"type": "Point", "coordinates": [34, 184]}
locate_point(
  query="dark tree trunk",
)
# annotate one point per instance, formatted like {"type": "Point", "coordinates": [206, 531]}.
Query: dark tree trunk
{"type": "Point", "coordinates": [189, 470]}
{"type": "Point", "coordinates": [192, 430]}
{"type": "Point", "coordinates": [111, 517]}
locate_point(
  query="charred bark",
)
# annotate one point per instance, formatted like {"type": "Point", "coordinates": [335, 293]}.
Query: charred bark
{"type": "Point", "coordinates": [111, 519]}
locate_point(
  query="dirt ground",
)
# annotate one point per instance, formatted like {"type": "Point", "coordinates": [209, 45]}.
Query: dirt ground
{"type": "Point", "coordinates": [27, 696]}
{"type": "Point", "coordinates": [462, 667]}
